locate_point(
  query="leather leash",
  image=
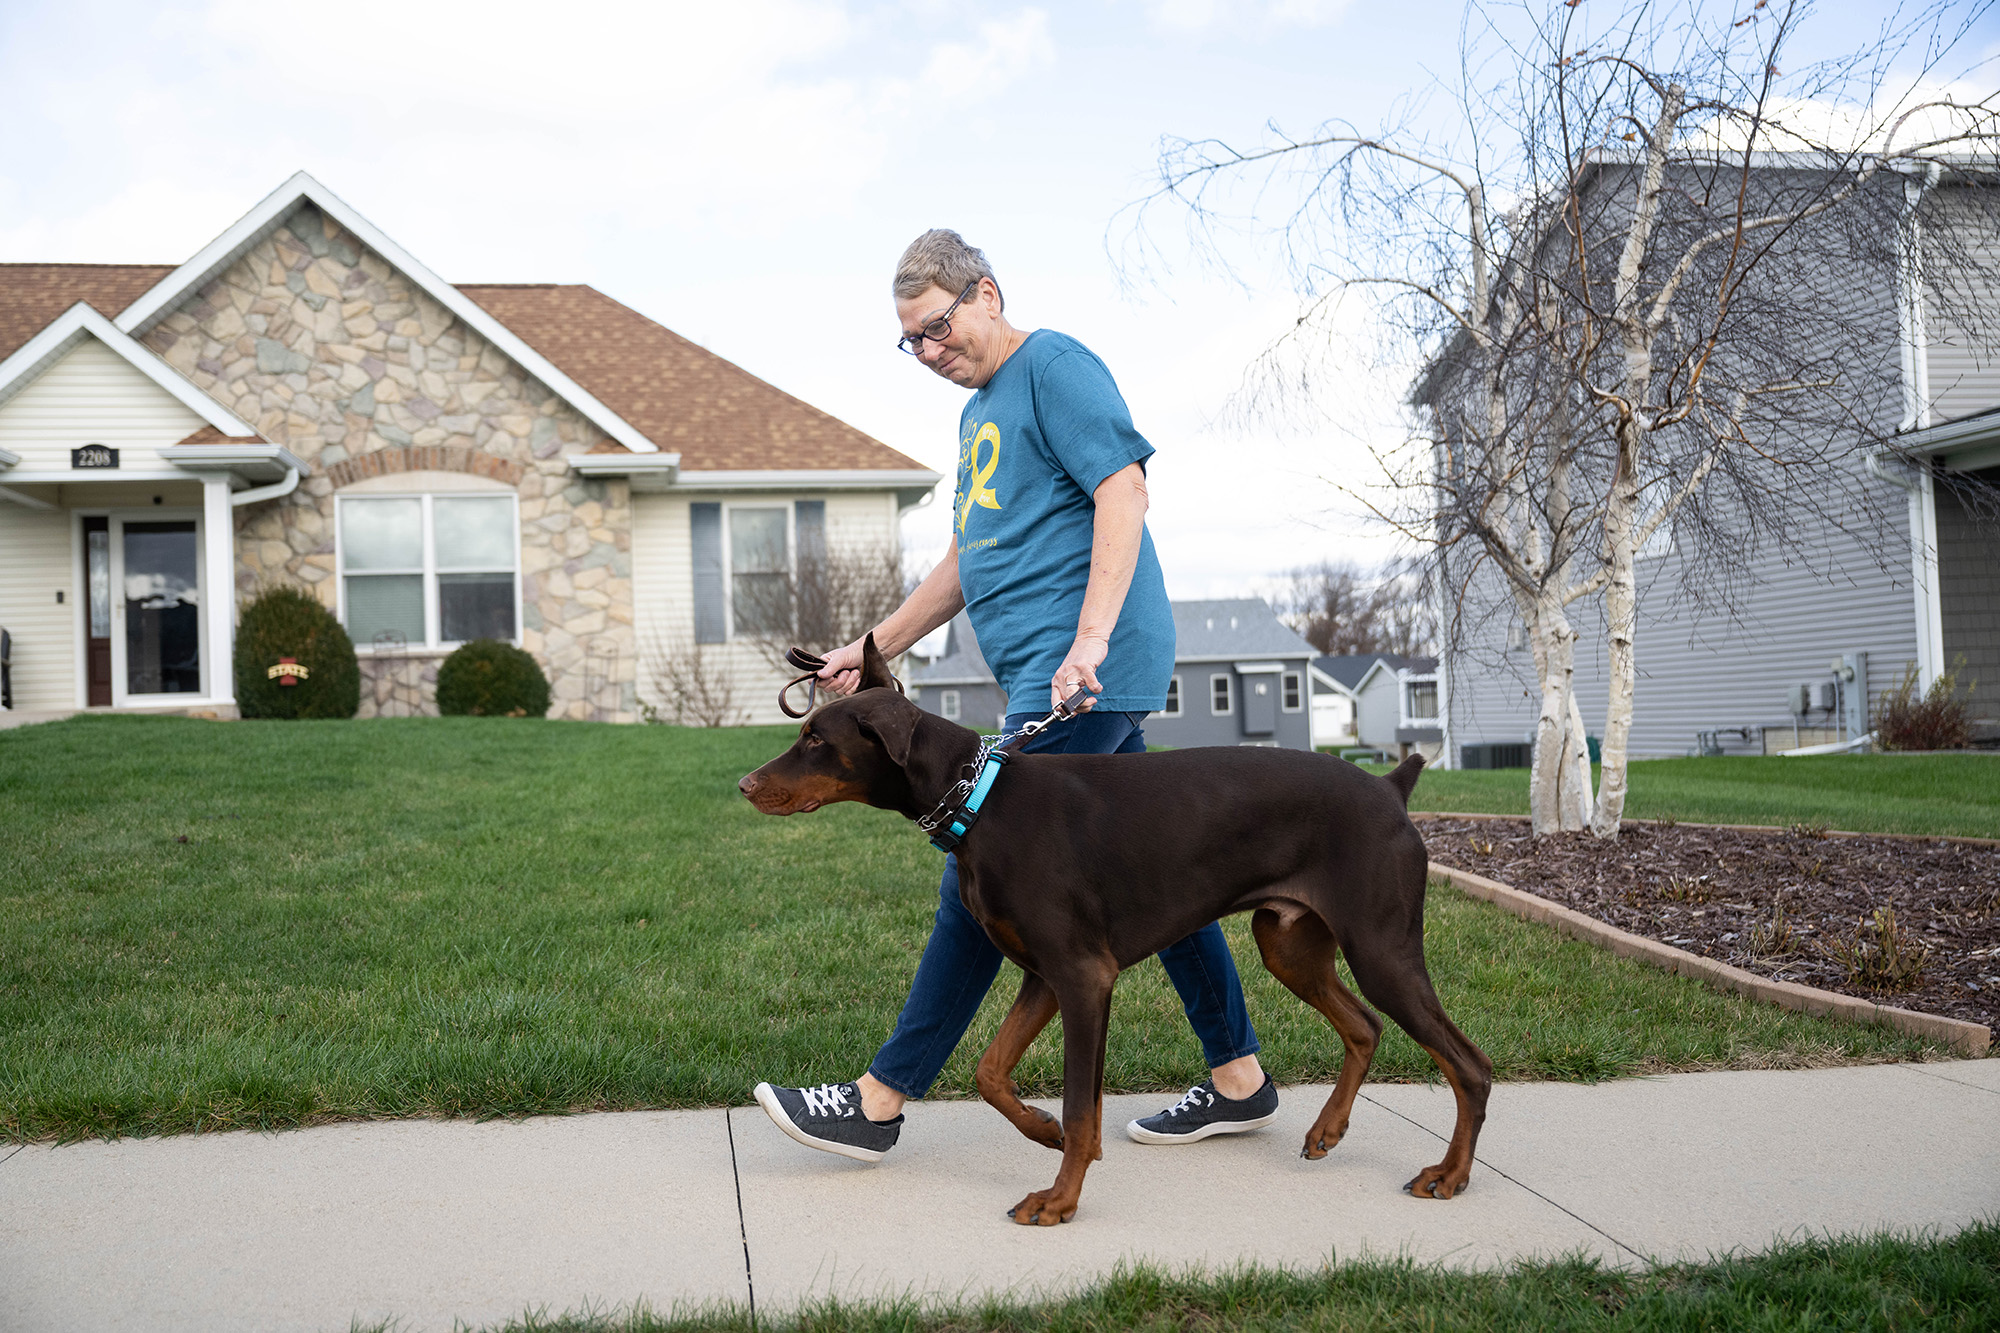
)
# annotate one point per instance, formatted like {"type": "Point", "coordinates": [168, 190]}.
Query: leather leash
{"type": "Point", "coordinates": [811, 665]}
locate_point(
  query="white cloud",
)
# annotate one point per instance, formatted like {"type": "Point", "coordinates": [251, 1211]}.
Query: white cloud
{"type": "Point", "coordinates": [1006, 51]}
{"type": "Point", "coordinates": [1199, 15]}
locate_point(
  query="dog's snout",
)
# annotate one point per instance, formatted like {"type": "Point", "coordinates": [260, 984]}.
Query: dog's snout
{"type": "Point", "coordinates": [747, 784]}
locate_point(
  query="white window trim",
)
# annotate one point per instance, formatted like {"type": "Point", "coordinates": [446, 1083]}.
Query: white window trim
{"type": "Point", "coordinates": [432, 643]}
{"type": "Point", "coordinates": [1176, 705]}
{"type": "Point", "coordinates": [1405, 679]}
{"type": "Point", "coordinates": [1292, 680]}
{"type": "Point", "coordinates": [1228, 708]}
{"type": "Point", "coordinates": [948, 705]}
{"type": "Point", "coordinates": [729, 507]}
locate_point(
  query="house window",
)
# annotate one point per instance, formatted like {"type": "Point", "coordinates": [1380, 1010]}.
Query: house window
{"type": "Point", "coordinates": [1219, 701]}
{"type": "Point", "coordinates": [428, 570]}
{"type": "Point", "coordinates": [948, 705]}
{"type": "Point", "coordinates": [1424, 699]}
{"type": "Point", "coordinates": [760, 568]}
{"type": "Point", "coordinates": [1173, 707]}
{"type": "Point", "coordinates": [1294, 696]}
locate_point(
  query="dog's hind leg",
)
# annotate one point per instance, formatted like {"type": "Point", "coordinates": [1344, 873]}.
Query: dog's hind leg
{"type": "Point", "coordinates": [1033, 1008]}
{"type": "Point", "coordinates": [1401, 988]}
{"type": "Point", "coordinates": [1302, 956]}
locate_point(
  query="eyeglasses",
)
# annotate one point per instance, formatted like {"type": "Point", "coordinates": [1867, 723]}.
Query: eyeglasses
{"type": "Point", "coordinates": [938, 329]}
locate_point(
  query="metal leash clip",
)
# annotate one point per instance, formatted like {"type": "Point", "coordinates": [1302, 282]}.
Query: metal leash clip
{"type": "Point", "coordinates": [1062, 712]}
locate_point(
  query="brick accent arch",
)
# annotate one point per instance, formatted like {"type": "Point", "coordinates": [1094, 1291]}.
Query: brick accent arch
{"type": "Point", "coordinates": [423, 458]}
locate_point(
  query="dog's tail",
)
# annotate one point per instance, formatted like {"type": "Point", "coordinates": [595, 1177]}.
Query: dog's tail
{"type": "Point", "coordinates": [1404, 777]}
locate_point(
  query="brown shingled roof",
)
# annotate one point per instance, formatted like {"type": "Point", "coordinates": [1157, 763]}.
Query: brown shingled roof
{"type": "Point", "coordinates": [32, 295]}
{"type": "Point", "coordinates": [685, 399]}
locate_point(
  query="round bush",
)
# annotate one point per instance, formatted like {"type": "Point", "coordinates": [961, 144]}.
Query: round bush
{"type": "Point", "coordinates": [488, 678]}
{"type": "Point", "coordinates": [291, 622]}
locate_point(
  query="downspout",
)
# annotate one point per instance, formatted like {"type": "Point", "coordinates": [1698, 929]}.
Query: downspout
{"type": "Point", "coordinates": [272, 492]}
{"type": "Point", "coordinates": [1916, 416]}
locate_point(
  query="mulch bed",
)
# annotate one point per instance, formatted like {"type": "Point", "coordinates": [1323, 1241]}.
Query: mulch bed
{"type": "Point", "coordinates": [1717, 893]}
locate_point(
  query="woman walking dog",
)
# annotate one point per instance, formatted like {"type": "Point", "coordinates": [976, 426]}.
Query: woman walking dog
{"type": "Point", "coordinates": [1052, 561]}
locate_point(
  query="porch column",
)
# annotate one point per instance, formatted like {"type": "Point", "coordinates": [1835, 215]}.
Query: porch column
{"type": "Point", "coordinates": [218, 525]}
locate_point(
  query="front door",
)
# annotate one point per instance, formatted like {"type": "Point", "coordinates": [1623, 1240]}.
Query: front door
{"type": "Point", "coordinates": [1260, 704]}
{"type": "Point", "coordinates": [156, 604]}
{"type": "Point", "coordinates": [97, 612]}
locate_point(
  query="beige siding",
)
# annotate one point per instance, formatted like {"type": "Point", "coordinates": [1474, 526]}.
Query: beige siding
{"type": "Point", "coordinates": [92, 396]}
{"type": "Point", "coordinates": [663, 591]}
{"type": "Point", "coordinates": [35, 559]}
{"type": "Point", "coordinates": [1964, 363]}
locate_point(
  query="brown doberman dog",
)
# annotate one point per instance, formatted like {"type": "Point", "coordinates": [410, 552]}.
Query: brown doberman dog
{"type": "Point", "coordinates": [1080, 866]}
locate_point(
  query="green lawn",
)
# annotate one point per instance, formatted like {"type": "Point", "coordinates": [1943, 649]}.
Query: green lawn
{"type": "Point", "coordinates": [1882, 793]}
{"type": "Point", "coordinates": [1885, 1283]}
{"type": "Point", "coordinates": [210, 925]}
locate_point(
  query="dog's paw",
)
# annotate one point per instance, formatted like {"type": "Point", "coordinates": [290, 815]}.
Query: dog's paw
{"type": "Point", "coordinates": [1041, 1209]}
{"type": "Point", "coordinates": [1435, 1182]}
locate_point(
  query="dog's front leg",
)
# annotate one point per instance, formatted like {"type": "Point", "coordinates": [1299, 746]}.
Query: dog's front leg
{"type": "Point", "coordinates": [1086, 1011]}
{"type": "Point", "coordinates": [1033, 1008]}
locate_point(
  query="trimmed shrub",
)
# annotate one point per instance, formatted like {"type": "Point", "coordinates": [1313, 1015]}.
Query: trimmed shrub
{"type": "Point", "coordinates": [1939, 718]}
{"type": "Point", "coordinates": [290, 622]}
{"type": "Point", "coordinates": [488, 678]}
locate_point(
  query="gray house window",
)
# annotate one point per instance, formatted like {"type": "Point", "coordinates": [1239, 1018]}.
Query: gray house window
{"type": "Point", "coordinates": [759, 570]}
{"type": "Point", "coordinates": [947, 705]}
{"type": "Point", "coordinates": [1219, 701]}
{"type": "Point", "coordinates": [1424, 699]}
{"type": "Point", "coordinates": [1294, 696]}
{"type": "Point", "coordinates": [1173, 706]}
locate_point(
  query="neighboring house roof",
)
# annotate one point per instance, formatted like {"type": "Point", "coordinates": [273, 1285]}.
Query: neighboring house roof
{"type": "Point", "coordinates": [655, 387]}
{"type": "Point", "coordinates": [1232, 629]}
{"type": "Point", "coordinates": [1391, 663]}
{"type": "Point", "coordinates": [961, 662]}
{"type": "Point", "coordinates": [33, 295]}
{"type": "Point", "coordinates": [715, 414]}
{"type": "Point", "coordinates": [1349, 670]}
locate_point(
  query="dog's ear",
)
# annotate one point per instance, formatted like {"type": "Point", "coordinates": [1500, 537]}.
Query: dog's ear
{"type": "Point", "coordinates": [875, 667]}
{"type": "Point", "coordinates": [893, 723]}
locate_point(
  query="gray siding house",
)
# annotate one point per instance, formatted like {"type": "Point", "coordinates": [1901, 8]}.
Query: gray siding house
{"type": "Point", "coordinates": [1831, 618]}
{"type": "Point", "coordinates": [1240, 678]}
{"type": "Point", "coordinates": [1396, 706]}
{"type": "Point", "coordinates": [958, 685]}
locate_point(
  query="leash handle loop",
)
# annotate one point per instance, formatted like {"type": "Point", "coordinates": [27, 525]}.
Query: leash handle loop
{"type": "Point", "coordinates": [811, 664]}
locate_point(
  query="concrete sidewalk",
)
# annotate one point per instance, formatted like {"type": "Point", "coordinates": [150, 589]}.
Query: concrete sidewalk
{"type": "Point", "coordinates": [427, 1222]}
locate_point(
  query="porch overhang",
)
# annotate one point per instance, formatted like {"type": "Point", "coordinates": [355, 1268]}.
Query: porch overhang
{"type": "Point", "coordinates": [1969, 444]}
{"type": "Point", "coordinates": [257, 464]}
{"type": "Point", "coordinates": [647, 472]}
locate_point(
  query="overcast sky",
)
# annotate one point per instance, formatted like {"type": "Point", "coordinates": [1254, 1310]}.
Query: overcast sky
{"type": "Point", "coordinates": [746, 173]}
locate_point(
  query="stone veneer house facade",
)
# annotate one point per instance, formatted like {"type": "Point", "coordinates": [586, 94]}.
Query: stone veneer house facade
{"type": "Point", "coordinates": [303, 402]}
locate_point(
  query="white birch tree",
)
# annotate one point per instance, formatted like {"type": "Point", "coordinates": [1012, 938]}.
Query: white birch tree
{"type": "Point", "coordinates": [1661, 319]}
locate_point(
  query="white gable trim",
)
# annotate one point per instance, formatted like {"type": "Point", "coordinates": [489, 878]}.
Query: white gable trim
{"type": "Point", "coordinates": [266, 217]}
{"type": "Point", "coordinates": [78, 322]}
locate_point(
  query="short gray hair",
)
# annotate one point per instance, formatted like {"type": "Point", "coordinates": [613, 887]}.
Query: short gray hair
{"type": "Point", "coordinates": [941, 258]}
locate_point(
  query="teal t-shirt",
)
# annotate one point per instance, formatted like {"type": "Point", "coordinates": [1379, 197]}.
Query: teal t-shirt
{"type": "Point", "coordinates": [1034, 445]}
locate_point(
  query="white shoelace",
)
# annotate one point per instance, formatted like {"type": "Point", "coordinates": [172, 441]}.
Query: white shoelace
{"type": "Point", "coordinates": [1196, 1098]}
{"type": "Point", "coordinates": [828, 1099]}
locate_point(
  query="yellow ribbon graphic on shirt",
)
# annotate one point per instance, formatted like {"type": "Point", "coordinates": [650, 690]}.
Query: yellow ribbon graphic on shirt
{"type": "Point", "coordinates": [980, 492]}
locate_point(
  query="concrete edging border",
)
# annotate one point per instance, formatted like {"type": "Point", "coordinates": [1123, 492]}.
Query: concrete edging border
{"type": "Point", "coordinates": [1733, 828]}
{"type": "Point", "coordinates": [1968, 1038]}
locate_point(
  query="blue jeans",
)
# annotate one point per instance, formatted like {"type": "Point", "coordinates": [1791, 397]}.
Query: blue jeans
{"type": "Point", "coordinates": [960, 962]}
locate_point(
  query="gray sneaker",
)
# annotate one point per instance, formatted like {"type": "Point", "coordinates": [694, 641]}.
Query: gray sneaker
{"type": "Point", "coordinates": [1204, 1111]}
{"type": "Point", "coordinates": [829, 1118]}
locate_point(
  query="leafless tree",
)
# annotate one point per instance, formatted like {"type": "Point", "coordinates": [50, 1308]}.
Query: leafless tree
{"type": "Point", "coordinates": [1342, 610]}
{"type": "Point", "coordinates": [829, 598]}
{"type": "Point", "coordinates": [1649, 288]}
{"type": "Point", "coordinates": [693, 683]}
